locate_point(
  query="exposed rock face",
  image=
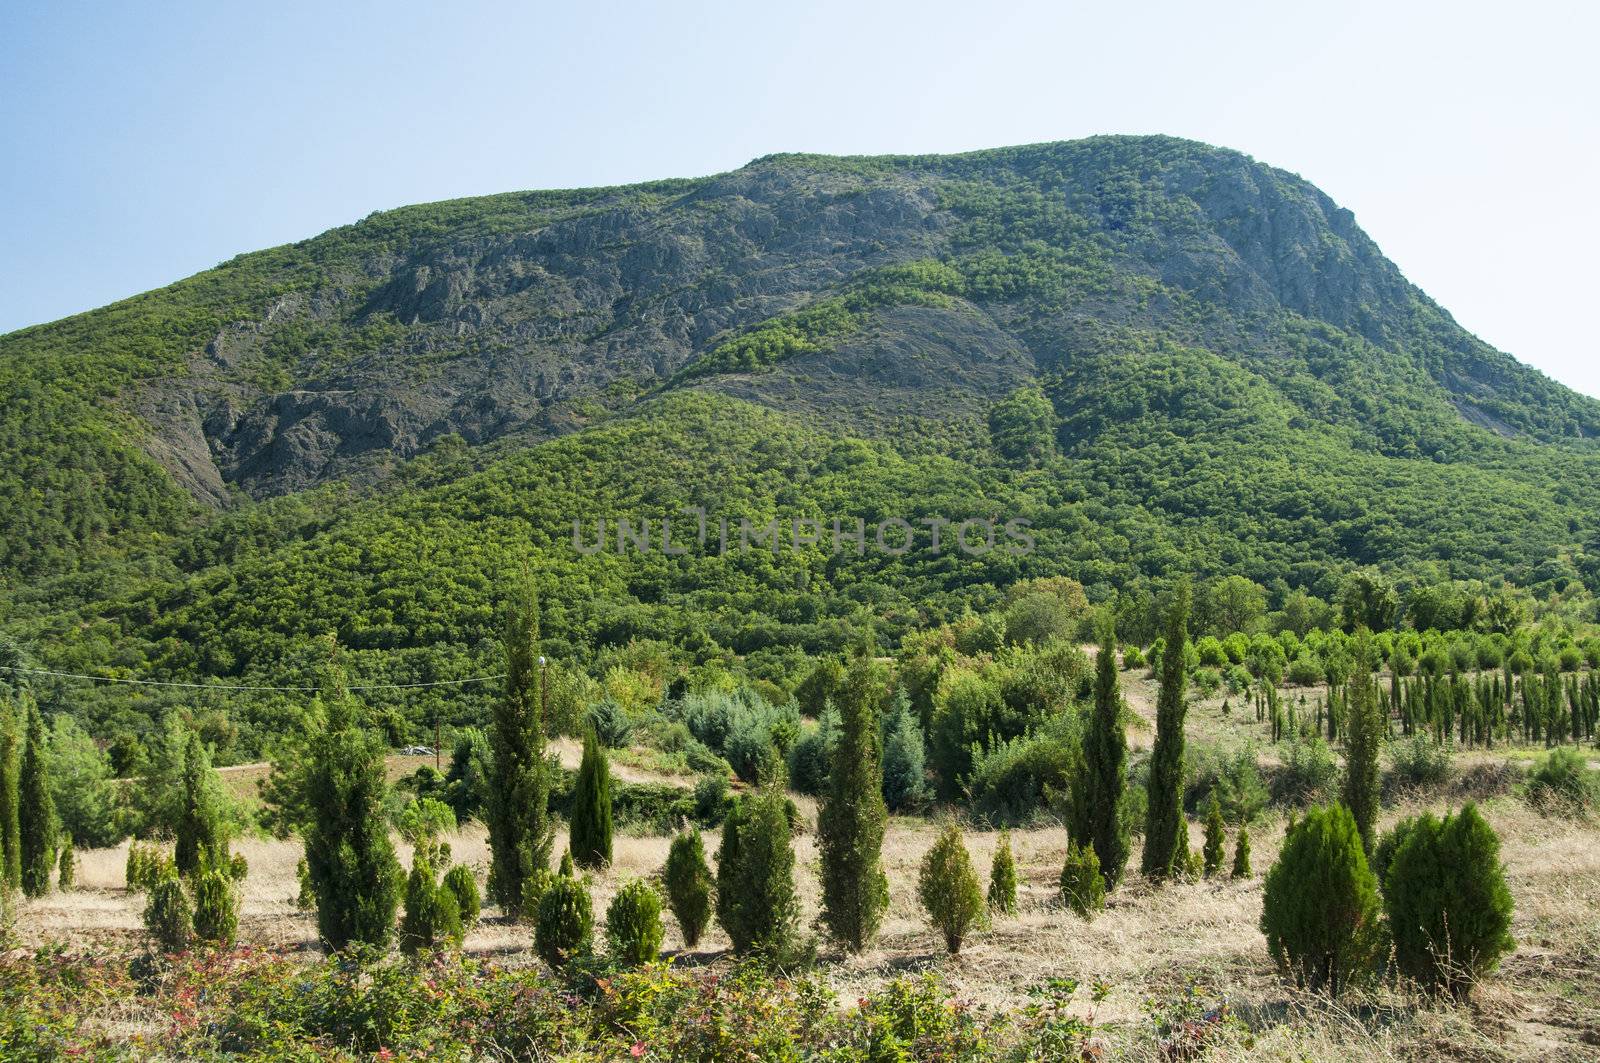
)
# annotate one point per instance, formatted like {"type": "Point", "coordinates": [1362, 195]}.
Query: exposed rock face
{"type": "Point", "coordinates": [483, 331]}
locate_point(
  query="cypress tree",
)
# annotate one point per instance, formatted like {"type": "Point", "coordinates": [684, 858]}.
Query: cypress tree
{"type": "Point", "coordinates": [67, 868]}
{"type": "Point", "coordinates": [1105, 750]}
{"type": "Point", "coordinates": [949, 889]}
{"type": "Point", "coordinates": [1166, 833]}
{"type": "Point", "coordinates": [756, 897]}
{"type": "Point", "coordinates": [1216, 837]}
{"type": "Point", "coordinates": [10, 801]}
{"type": "Point", "coordinates": [1319, 907]}
{"type": "Point", "coordinates": [36, 813]}
{"type": "Point", "coordinates": [353, 872]}
{"type": "Point", "coordinates": [517, 809]}
{"type": "Point", "coordinates": [852, 819]}
{"type": "Point", "coordinates": [1363, 733]}
{"type": "Point", "coordinates": [590, 835]}
{"type": "Point", "coordinates": [201, 837]}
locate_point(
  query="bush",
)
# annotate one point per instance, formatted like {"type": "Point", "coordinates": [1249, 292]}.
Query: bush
{"type": "Point", "coordinates": [1133, 657]}
{"type": "Point", "coordinates": [1448, 906]}
{"type": "Point", "coordinates": [1418, 763]}
{"type": "Point", "coordinates": [463, 886]}
{"type": "Point", "coordinates": [238, 867]}
{"type": "Point", "coordinates": [1388, 844]}
{"type": "Point", "coordinates": [905, 784]}
{"type": "Point", "coordinates": [611, 723]}
{"type": "Point", "coordinates": [633, 924]}
{"type": "Point", "coordinates": [1319, 908]}
{"type": "Point", "coordinates": [67, 868]}
{"type": "Point", "coordinates": [431, 917]}
{"type": "Point", "coordinates": [1003, 877]}
{"type": "Point", "coordinates": [1216, 838]}
{"type": "Point", "coordinates": [1014, 781]}
{"type": "Point", "coordinates": [1241, 853]}
{"type": "Point", "coordinates": [1308, 775]}
{"type": "Point", "coordinates": [216, 907]}
{"type": "Point", "coordinates": [590, 817]}
{"type": "Point", "coordinates": [810, 756]}
{"type": "Point", "coordinates": [949, 890]}
{"type": "Point", "coordinates": [1082, 887]}
{"type": "Point", "coordinates": [565, 927]}
{"type": "Point", "coordinates": [1562, 781]}
{"type": "Point", "coordinates": [1306, 671]}
{"type": "Point", "coordinates": [1234, 781]}
{"type": "Point", "coordinates": [306, 898]}
{"type": "Point", "coordinates": [168, 916]}
{"type": "Point", "coordinates": [689, 886]}
{"type": "Point", "coordinates": [756, 898]}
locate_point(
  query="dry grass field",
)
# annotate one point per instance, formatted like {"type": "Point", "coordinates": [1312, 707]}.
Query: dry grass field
{"type": "Point", "coordinates": [1544, 1003]}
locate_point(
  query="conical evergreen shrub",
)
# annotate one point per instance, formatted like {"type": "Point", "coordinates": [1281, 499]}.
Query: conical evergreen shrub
{"type": "Point", "coordinates": [201, 838]}
{"type": "Point", "coordinates": [463, 885]}
{"type": "Point", "coordinates": [1105, 751]}
{"type": "Point", "coordinates": [1447, 902]}
{"type": "Point", "coordinates": [756, 897]}
{"type": "Point", "coordinates": [1083, 888]}
{"type": "Point", "coordinates": [67, 866]}
{"type": "Point", "coordinates": [1241, 853]}
{"type": "Point", "coordinates": [590, 837]}
{"type": "Point", "coordinates": [905, 776]}
{"type": "Point", "coordinates": [949, 889]}
{"type": "Point", "coordinates": [168, 916]}
{"type": "Point", "coordinates": [518, 796]}
{"type": "Point", "coordinates": [565, 926]}
{"type": "Point", "coordinates": [1003, 877]}
{"type": "Point", "coordinates": [216, 906]}
{"type": "Point", "coordinates": [1216, 838]}
{"type": "Point", "coordinates": [633, 924]}
{"type": "Point", "coordinates": [689, 885]}
{"type": "Point", "coordinates": [1319, 908]}
{"type": "Point", "coordinates": [1166, 832]}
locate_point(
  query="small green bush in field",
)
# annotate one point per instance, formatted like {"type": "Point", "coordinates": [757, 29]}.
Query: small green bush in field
{"type": "Point", "coordinates": [432, 916]}
{"type": "Point", "coordinates": [168, 916]}
{"type": "Point", "coordinates": [1003, 877]}
{"type": "Point", "coordinates": [1241, 853]}
{"type": "Point", "coordinates": [1419, 763]}
{"type": "Point", "coordinates": [1448, 906]}
{"type": "Point", "coordinates": [306, 898]}
{"type": "Point", "coordinates": [565, 927]}
{"type": "Point", "coordinates": [949, 889]}
{"type": "Point", "coordinates": [1562, 781]}
{"type": "Point", "coordinates": [463, 885]}
{"type": "Point", "coordinates": [1216, 838]}
{"type": "Point", "coordinates": [633, 924]}
{"type": "Point", "coordinates": [1082, 886]}
{"type": "Point", "coordinates": [238, 867]}
{"type": "Point", "coordinates": [216, 907]}
{"type": "Point", "coordinates": [67, 872]}
{"type": "Point", "coordinates": [689, 885]}
{"type": "Point", "coordinates": [1319, 908]}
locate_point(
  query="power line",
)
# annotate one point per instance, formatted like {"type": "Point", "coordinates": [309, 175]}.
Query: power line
{"type": "Point", "coordinates": [246, 686]}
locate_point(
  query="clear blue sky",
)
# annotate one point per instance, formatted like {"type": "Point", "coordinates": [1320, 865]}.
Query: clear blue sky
{"type": "Point", "coordinates": [145, 142]}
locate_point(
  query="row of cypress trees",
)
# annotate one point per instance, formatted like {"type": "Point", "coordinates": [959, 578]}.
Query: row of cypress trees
{"type": "Point", "coordinates": [29, 831]}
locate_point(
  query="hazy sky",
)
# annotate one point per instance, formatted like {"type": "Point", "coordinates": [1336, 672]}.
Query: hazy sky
{"type": "Point", "coordinates": [140, 143]}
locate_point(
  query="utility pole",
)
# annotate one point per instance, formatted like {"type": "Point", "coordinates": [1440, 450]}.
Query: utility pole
{"type": "Point", "coordinates": [436, 740]}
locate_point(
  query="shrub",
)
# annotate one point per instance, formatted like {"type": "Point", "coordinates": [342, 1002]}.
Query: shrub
{"type": "Point", "coordinates": [167, 915]}
{"type": "Point", "coordinates": [1132, 657]}
{"type": "Point", "coordinates": [689, 886]}
{"type": "Point", "coordinates": [1216, 837]}
{"type": "Point", "coordinates": [1306, 671]}
{"type": "Point", "coordinates": [1563, 781]}
{"type": "Point", "coordinates": [1308, 775]}
{"type": "Point", "coordinates": [306, 898]}
{"type": "Point", "coordinates": [216, 907]}
{"type": "Point", "coordinates": [1104, 780]}
{"type": "Point", "coordinates": [1320, 903]}
{"type": "Point", "coordinates": [1448, 906]}
{"type": "Point", "coordinates": [853, 816]}
{"type": "Point", "coordinates": [1388, 845]}
{"type": "Point", "coordinates": [756, 898]}
{"type": "Point", "coordinates": [67, 870]}
{"type": "Point", "coordinates": [949, 890]}
{"type": "Point", "coordinates": [590, 819]}
{"type": "Point", "coordinates": [1013, 781]}
{"type": "Point", "coordinates": [238, 867]}
{"type": "Point", "coordinates": [1082, 887]}
{"type": "Point", "coordinates": [633, 924]}
{"type": "Point", "coordinates": [1003, 877]}
{"type": "Point", "coordinates": [1418, 763]}
{"type": "Point", "coordinates": [565, 926]}
{"type": "Point", "coordinates": [610, 723]}
{"type": "Point", "coordinates": [809, 757]}
{"type": "Point", "coordinates": [463, 885]}
{"type": "Point", "coordinates": [431, 916]}
{"type": "Point", "coordinates": [1241, 853]}
{"type": "Point", "coordinates": [1234, 780]}
{"type": "Point", "coordinates": [905, 783]}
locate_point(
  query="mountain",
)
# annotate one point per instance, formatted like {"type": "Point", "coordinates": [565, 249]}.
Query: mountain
{"type": "Point", "coordinates": [359, 433]}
